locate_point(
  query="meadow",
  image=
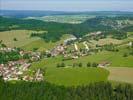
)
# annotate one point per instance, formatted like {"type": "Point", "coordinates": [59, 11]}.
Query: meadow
{"type": "Point", "coordinates": [70, 76]}
{"type": "Point", "coordinates": [22, 38]}
{"type": "Point", "coordinates": [26, 42]}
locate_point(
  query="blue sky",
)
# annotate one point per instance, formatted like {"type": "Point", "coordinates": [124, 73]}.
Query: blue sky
{"type": "Point", "coordinates": [68, 5]}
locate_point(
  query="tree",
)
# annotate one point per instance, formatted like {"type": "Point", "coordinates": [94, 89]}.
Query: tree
{"type": "Point", "coordinates": [94, 64]}
{"type": "Point", "coordinates": [35, 49]}
{"type": "Point", "coordinates": [62, 64]}
{"type": "Point", "coordinates": [26, 56]}
{"type": "Point", "coordinates": [1, 79]}
{"type": "Point", "coordinates": [125, 55]}
{"type": "Point", "coordinates": [80, 64]}
{"type": "Point", "coordinates": [15, 39]}
{"type": "Point", "coordinates": [88, 64]}
{"type": "Point", "coordinates": [58, 65]}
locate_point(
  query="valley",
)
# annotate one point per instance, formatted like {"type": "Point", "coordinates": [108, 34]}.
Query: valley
{"type": "Point", "coordinates": [66, 56]}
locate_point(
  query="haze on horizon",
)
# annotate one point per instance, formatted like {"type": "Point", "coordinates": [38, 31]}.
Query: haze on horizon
{"type": "Point", "coordinates": [67, 5]}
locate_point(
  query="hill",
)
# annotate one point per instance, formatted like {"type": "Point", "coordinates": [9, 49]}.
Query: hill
{"type": "Point", "coordinates": [57, 30]}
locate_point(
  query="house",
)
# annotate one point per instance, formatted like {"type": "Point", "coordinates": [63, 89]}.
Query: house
{"type": "Point", "coordinates": [58, 50]}
{"type": "Point", "coordinates": [104, 64]}
{"type": "Point", "coordinates": [67, 41]}
{"type": "Point", "coordinates": [96, 33]}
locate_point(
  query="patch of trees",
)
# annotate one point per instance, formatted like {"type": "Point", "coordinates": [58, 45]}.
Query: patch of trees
{"type": "Point", "coordinates": [80, 64]}
{"type": "Point", "coordinates": [110, 47]}
{"type": "Point", "coordinates": [77, 64]}
{"type": "Point", "coordinates": [61, 65]}
{"type": "Point", "coordinates": [119, 35]}
{"type": "Point", "coordinates": [94, 64]}
{"type": "Point", "coordinates": [46, 91]}
{"type": "Point", "coordinates": [9, 56]}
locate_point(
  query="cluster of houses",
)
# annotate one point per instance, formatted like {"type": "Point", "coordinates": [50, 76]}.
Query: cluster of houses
{"type": "Point", "coordinates": [59, 49]}
{"type": "Point", "coordinates": [62, 49]}
{"type": "Point", "coordinates": [15, 70]}
{"type": "Point", "coordinates": [6, 49]}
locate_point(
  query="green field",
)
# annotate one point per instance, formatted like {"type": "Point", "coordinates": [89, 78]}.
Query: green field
{"type": "Point", "coordinates": [42, 45]}
{"type": "Point", "coordinates": [26, 42]}
{"type": "Point", "coordinates": [69, 76]}
{"type": "Point", "coordinates": [22, 36]}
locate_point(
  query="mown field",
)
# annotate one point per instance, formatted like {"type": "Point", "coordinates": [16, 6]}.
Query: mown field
{"type": "Point", "coordinates": [25, 41]}
{"type": "Point", "coordinates": [42, 45]}
{"type": "Point", "coordinates": [22, 36]}
{"type": "Point", "coordinates": [120, 74]}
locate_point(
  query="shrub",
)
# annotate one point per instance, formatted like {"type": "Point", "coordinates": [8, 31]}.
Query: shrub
{"type": "Point", "coordinates": [94, 64]}
{"type": "Point", "coordinates": [15, 39]}
{"type": "Point", "coordinates": [80, 64]}
{"type": "Point", "coordinates": [125, 55]}
{"type": "Point", "coordinates": [88, 64]}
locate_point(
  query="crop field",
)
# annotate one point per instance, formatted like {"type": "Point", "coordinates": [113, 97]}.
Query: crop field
{"type": "Point", "coordinates": [22, 36]}
{"type": "Point", "coordinates": [120, 74]}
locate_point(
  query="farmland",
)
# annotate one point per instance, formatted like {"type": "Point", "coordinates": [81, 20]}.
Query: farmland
{"type": "Point", "coordinates": [120, 74]}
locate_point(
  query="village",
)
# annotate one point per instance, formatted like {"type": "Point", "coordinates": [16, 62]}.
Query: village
{"type": "Point", "coordinates": [76, 51]}
{"type": "Point", "coordinates": [15, 70]}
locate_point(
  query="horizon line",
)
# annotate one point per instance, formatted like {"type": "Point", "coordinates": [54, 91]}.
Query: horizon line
{"type": "Point", "coordinates": [69, 10]}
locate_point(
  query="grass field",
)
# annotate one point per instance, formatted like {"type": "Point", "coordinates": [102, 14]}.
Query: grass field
{"type": "Point", "coordinates": [25, 41]}
{"type": "Point", "coordinates": [22, 36]}
{"type": "Point", "coordinates": [120, 74]}
{"type": "Point", "coordinates": [76, 76]}
{"type": "Point", "coordinates": [70, 76]}
{"type": "Point", "coordinates": [42, 45]}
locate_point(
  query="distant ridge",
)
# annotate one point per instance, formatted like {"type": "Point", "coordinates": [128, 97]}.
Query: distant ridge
{"type": "Point", "coordinates": [37, 13]}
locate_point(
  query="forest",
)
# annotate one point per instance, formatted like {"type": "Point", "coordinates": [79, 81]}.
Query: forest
{"type": "Point", "coordinates": [46, 91]}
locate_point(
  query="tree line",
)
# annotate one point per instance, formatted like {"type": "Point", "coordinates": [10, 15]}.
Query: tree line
{"type": "Point", "coordinates": [89, 64]}
{"type": "Point", "coordinates": [46, 91]}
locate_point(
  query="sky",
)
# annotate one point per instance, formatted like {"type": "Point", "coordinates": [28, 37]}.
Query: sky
{"type": "Point", "coordinates": [68, 5]}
